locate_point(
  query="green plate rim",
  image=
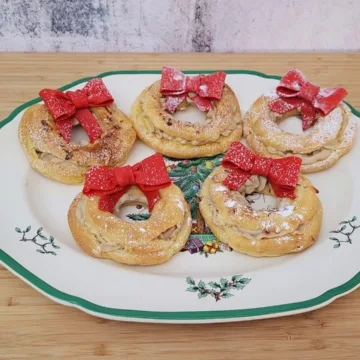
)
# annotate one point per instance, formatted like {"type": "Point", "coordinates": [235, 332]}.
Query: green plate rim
{"type": "Point", "coordinates": [88, 306]}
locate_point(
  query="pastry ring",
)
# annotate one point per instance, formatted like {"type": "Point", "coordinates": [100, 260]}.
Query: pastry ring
{"type": "Point", "coordinates": [154, 123]}
{"type": "Point", "coordinates": [50, 152]}
{"type": "Point", "coordinates": [102, 234]}
{"type": "Point", "coordinates": [291, 227]}
{"type": "Point", "coordinates": [331, 136]}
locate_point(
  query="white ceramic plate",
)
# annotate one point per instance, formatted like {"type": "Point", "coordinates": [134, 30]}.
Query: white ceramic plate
{"type": "Point", "coordinates": [247, 288]}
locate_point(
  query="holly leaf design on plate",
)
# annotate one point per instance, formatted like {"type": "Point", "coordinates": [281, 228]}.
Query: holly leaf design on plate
{"type": "Point", "coordinates": [202, 295]}
{"type": "Point", "coordinates": [214, 285]}
{"type": "Point", "coordinates": [192, 289]}
{"type": "Point", "coordinates": [226, 295]}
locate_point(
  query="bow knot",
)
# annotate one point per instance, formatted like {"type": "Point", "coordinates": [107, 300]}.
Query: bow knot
{"type": "Point", "coordinates": [64, 107]}
{"type": "Point", "coordinates": [296, 92]}
{"type": "Point", "coordinates": [176, 85]}
{"type": "Point", "coordinates": [282, 174]}
{"type": "Point", "coordinates": [78, 98]}
{"type": "Point", "coordinates": [125, 176]}
{"type": "Point", "coordinates": [149, 175]}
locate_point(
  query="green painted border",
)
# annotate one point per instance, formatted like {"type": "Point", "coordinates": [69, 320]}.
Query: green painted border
{"type": "Point", "coordinates": [174, 315]}
{"type": "Point", "coordinates": [36, 282]}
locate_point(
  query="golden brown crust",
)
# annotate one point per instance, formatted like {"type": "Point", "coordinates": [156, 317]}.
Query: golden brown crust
{"type": "Point", "coordinates": [330, 138]}
{"type": "Point", "coordinates": [149, 242]}
{"type": "Point", "coordinates": [49, 154]}
{"type": "Point", "coordinates": [178, 139]}
{"type": "Point", "coordinates": [291, 228]}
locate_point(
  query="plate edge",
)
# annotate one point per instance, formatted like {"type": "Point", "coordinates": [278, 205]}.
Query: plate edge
{"type": "Point", "coordinates": [231, 315]}
{"type": "Point", "coordinates": [176, 316]}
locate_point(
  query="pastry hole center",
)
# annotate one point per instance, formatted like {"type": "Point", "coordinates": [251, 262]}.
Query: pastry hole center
{"type": "Point", "coordinates": [79, 135]}
{"type": "Point", "coordinates": [293, 125]}
{"type": "Point", "coordinates": [259, 201]}
{"type": "Point", "coordinates": [132, 207]}
{"type": "Point", "coordinates": [191, 114]}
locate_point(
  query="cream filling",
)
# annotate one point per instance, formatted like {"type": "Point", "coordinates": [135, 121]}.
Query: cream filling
{"type": "Point", "coordinates": [56, 160]}
{"type": "Point", "coordinates": [254, 183]}
{"type": "Point", "coordinates": [313, 157]}
{"type": "Point", "coordinates": [260, 235]}
{"type": "Point", "coordinates": [307, 159]}
{"type": "Point", "coordinates": [160, 134]}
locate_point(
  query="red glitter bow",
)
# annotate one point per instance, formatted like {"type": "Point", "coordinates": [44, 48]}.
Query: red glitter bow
{"type": "Point", "coordinates": [149, 175]}
{"type": "Point", "coordinates": [282, 173]}
{"type": "Point", "coordinates": [176, 85]}
{"type": "Point", "coordinates": [64, 107]}
{"type": "Point", "coordinates": [296, 92]}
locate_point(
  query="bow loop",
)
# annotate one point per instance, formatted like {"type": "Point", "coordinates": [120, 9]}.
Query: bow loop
{"type": "Point", "coordinates": [327, 97]}
{"type": "Point", "coordinates": [58, 104]}
{"type": "Point", "coordinates": [97, 93]}
{"type": "Point", "coordinates": [211, 86]}
{"type": "Point", "coordinates": [176, 85]}
{"type": "Point", "coordinates": [291, 83]}
{"type": "Point", "coordinates": [296, 92]}
{"type": "Point", "coordinates": [172, 81]}
{"type": "Point", "coordinates": [294, 84]}
{"type": "Point", "coordinates": [149, 175]}
{"type": "Point", "coordinates": [64, 107]}
{"type": "Point", "coordinates": [282, 173]}
{"type": "Point", "coordinates": [99, 180]}
{"type": "Point", "coordinates": [238, 156]}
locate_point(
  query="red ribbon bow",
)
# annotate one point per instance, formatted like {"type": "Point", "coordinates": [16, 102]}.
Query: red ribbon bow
{"type": "Point", "coordinates": [149, 175]}
{"type": "Point", "coordinates": [176, 85]}
{"type": "Point", "coordinates": [296, 92]}
{"type": "Point", "coordinates": [65, 106]}
{"type": "Point", "coordinates": [282, 173]}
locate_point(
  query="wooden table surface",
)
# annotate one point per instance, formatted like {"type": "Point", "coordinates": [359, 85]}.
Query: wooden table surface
{"type": "Point", "coordinates": [34, 327]}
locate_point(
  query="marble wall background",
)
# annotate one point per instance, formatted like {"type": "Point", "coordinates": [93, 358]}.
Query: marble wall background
{"type": "Point", "coordinates": [179, 25]}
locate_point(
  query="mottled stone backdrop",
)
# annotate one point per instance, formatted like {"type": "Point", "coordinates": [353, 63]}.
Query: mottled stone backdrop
{"type": "Point", "coordinates": [179, 25]}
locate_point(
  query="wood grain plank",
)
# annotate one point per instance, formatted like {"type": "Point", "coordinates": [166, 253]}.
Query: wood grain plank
{"type": "Point", "coordinates": [34, 327]}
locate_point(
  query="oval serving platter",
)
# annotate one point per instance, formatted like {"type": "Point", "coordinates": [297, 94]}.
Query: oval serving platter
{"type": "Point", "coordinates": [196, 285]}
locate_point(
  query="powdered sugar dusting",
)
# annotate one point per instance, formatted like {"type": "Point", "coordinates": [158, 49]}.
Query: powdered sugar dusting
{"type": "Point", "coordinates": [220, 188]}
{"type": "Point", "coordinates": [203, 88]}
{"type": "Point", "coordinates": [287, 210]}
{"type": "Point", "coordinates": [230, 203]}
